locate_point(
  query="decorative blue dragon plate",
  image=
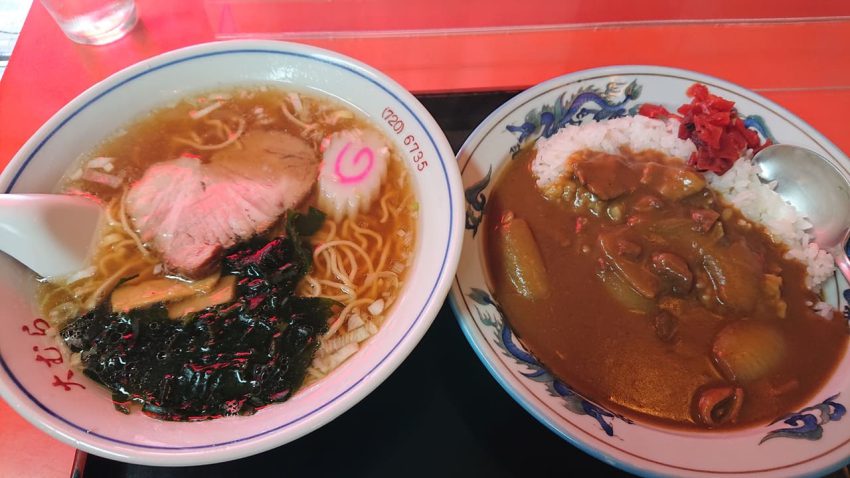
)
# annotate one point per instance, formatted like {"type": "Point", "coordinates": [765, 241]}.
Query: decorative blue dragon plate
{"type": "Point", "coordinates": [811, 441]}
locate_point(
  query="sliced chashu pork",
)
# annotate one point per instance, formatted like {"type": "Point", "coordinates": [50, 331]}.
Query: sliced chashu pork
{"type": "Point", "coordinates": [191, 211]}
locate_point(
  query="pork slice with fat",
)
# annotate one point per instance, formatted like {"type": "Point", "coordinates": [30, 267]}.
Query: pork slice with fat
{"type": "Point", "coordinates": [190, 211]}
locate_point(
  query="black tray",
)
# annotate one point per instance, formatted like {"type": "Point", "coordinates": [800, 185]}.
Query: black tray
{"type": "Point", "coordinates": [439, 414]}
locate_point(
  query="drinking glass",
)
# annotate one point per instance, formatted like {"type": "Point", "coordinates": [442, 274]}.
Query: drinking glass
{"type": "Point", "coordinates": [93, 22]}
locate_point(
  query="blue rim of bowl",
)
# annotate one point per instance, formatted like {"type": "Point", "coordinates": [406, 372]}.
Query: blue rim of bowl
{"type": "Point", "coordinates": [351, 68]}
{"type": "Point", "coordinates": [565, 80]}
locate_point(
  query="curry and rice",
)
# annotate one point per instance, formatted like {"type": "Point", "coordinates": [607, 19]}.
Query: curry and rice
{"type": "Point", "coordinates": [666, 294]}
{"type": "Point", "coordinates": [255, 239]}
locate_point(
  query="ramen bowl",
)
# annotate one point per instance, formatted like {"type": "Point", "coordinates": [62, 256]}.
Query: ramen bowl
{"type": "Point", "coordinates": [35, 377]}
{"type": "Point", "coordinates": [812, 439]}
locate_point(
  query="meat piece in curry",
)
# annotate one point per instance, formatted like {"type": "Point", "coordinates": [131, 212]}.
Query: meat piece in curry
{"type": "Point", "coordinates": [648, 294]}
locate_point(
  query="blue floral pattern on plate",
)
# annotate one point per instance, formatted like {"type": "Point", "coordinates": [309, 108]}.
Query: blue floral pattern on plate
{"type": "Point", "coordinates": [807, 424]}
{"type": "Point", "coordinates": [589, 102]}
{"type": "Point", "coordinates": [475, 202]}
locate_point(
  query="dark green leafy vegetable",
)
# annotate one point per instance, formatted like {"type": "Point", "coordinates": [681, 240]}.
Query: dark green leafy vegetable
{"type": "Point", "coordinates": [229, 359]}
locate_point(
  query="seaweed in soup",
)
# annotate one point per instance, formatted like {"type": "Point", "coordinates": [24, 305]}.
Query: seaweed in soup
{"type": "Point", "coordinates": [225, 360]}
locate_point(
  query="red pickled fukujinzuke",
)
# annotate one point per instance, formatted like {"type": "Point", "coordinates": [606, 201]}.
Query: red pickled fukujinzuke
{"type": "Point", "coordinates": [713, 124]}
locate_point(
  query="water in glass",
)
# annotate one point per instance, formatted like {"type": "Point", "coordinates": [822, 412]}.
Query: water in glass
{"type": "Point", "coordinates": [93, 22]}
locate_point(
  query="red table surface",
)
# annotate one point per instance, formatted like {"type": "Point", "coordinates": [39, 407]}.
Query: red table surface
{"type": "Point", "coordinates": [803, 64]}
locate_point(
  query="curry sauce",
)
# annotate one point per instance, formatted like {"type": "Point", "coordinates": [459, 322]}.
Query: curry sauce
{"type": "Point", "coordinates": [646, 293]}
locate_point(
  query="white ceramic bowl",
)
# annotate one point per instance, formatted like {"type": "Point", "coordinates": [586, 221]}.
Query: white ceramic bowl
{"type": "Point", "coordinates": [813, 441]}
{"type": "Point", "coordinates": [52, 397]}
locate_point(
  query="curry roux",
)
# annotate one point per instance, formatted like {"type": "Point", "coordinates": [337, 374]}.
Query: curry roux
{"type": "Point", "coordinates": [650, 355]}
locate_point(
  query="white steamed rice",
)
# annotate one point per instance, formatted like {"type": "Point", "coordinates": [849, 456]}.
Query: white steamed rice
{"type": "Point", "coordinates": [759, 203]}
{"type": "Point", "coordinates": [638, 133]}
{"type": "Point", "coordinates": [740, 185]}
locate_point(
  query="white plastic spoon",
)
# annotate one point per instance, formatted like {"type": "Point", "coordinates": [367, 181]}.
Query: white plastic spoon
{"type": "Point", "coordinates": [52, 234]}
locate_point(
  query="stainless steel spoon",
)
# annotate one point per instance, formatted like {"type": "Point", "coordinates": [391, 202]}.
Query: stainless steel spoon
{"type": "Point", "coordinates": [817, 189]}
{"type": "Point", "coordinates": [52, 234]}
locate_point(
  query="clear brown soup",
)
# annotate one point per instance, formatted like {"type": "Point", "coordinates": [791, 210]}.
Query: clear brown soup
{"type": "Point", "coordinates": [651, 297]}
